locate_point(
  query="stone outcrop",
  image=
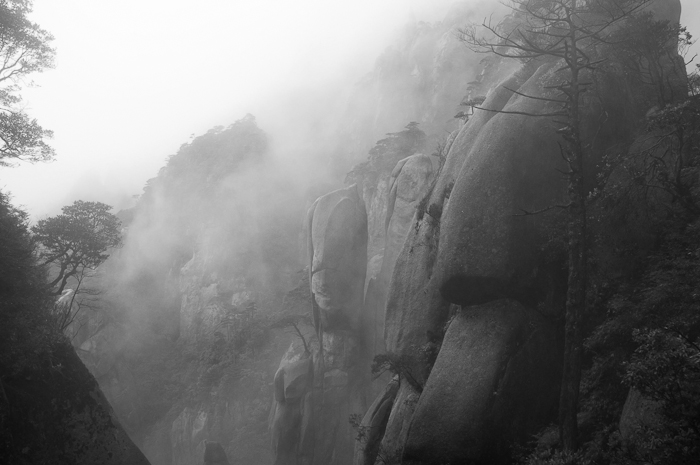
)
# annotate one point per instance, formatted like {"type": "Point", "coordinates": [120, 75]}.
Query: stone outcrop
{"type": "Point", "coordinates": [638, 414]}
{"type": "Point", "coordinates": [476, 264]}
{"type": "Point", "coordinates": [188, 433]}
{"type": "Point", "coordinates": [396, 430]}
{"type": "Point", "coordinates": [488, 247]}
{"type": "Point", "coordinates": [415, 306]}
{"type": "Point", "coordinates": [316, 392]}
{"type": "Point", "coordinates": [214, 454]}
{"type": "Point", "coordinates": [470, 247]}
{"type": "Point", "coordinates": [63, 418]}
{"type": "Point", "coordinates": [410, 182]}
{"type": "Point", "coordinates": [490, 387]}
{"type": "Point", "coordinates": [428, 258]}
{"type": "Point", "coordinates": [372, 427]}
{"type": "Point", "coordinates": [291, 408]}
{"type": "Point", "coordinates": [665, 10]}
{"type": "Point", "coordinates": [337, 225]}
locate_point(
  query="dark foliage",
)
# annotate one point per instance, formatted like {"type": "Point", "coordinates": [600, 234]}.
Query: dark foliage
{"type": "Point", "coordinates": [26, 336]}
{"type": "Point", "coordinates": [42, 382]}
{"type": "Point", "coordinates": [77, 239]}
{"type": "Point", "coordinates": [386, 152]}
{"type": "Point", "coordinates": [647, 52]}
{"type": "Point", "coordinates": [24, 49]}
{"type": "Point", "coordinates": [399, 364]}
{"type": "Point", "coordinates": [645, 292]}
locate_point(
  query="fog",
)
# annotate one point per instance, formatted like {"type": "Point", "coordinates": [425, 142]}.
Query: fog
{"type": "Point", "coordinates": [211, 127]}
{"type": "Point", "coordinates": [134, 80]}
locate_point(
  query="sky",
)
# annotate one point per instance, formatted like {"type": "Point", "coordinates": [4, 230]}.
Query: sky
{"type": "Point", "coordinates": [135, 79]}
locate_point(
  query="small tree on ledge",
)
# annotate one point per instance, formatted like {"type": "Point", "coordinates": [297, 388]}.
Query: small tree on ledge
{"type": "Point", "coordinates": [74, 244]}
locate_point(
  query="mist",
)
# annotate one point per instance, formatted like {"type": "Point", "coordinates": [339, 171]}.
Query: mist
{"type": "Point", "coordinates": [267, 160]}
{"type": "Point", "coordinates": [134, 81]}
{"type": "Point", "coordinates": [212, 174]}
{"type": "Point", "coordinates": [129, 88]}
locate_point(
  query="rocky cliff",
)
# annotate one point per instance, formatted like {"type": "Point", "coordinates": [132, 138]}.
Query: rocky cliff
{"type": "Point", "coordinates": [51, 407]}
{"type": "Point", "coordinates": [426, 308]}
{"type": "Point", "coordinates": [465, 283]}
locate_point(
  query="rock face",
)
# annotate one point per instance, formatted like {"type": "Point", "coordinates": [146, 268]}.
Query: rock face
{"type": "Point", "coordinates": [373, 425]}
{"type": "Point", "coordinates": [470, 249]}
{"type": "Point", "coordinates": [313, 427]}
{"type": "Point", "coordinates": [214, 454]}
{"type": "Point", "coordinates": [316, 392]}
{"type": "Point", "coordinates": [491, 385]}
{"type": "Point", "coordinates": [411, 180]}
{"type": "Point", "coordinates": [666, 10]}
{"type": "Point", "coordinates": [488, 248]}
{"type": "Point", "coordinates": [337, 259]}
{"type": "Point", "coordinates": [427, 258]}
{"type": "Point", "coordinates": [475, 265]}
{"type": "Point", "coordinates": [68, 417]}
{"type": "Point", "coordinates": [289, 416]}
{"type": "Point", "coordinates": [396, 431]}
{"type": "Point", "coordinates": [638, 413]}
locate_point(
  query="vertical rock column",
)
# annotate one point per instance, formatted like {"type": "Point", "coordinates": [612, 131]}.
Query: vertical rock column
{"type": "Point", "coordinates": [337, 225]}
{"type": "Point", "coordinates": [317, 430]}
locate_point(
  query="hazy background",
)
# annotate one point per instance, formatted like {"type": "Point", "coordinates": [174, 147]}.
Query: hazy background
{"type": "Point", "coordinates": [135, 79]}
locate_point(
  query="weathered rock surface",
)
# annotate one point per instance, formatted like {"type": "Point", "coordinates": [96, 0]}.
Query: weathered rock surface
{"type": "Point", "coordinates": [337, 223]}
{"type": "Point", "coordinates": [397, 427]}
{"type": "Point", "coordinates": [468, 230]}
{"type": "Point", "coordinates": [491, 386]}
{"type": "Point", "coordinates": [293, 381]}
{"type": "Point", "coordinates": [638, 413]}
{"type": "Point", "coordinates": [488, 248]}
{"type": "Point", "coordinates": [410, 181]}
{"type": "Point", "coordinates": [337, 263]}
{"type": "Point", "coordinates": [67, 416]}
{"type": "Point", "coordinates": [316, 392]}
{"type": "Point", "coordinates": [188, 435]}
{"type": "Point", "coordinates": [665, 10]}
{"type": "Point", "coordinates": [214, 454]}
{"type": "Point", "coordinates": [372, 426]}
{"type": "Point", "coordinates": [207, 299]}
{"type": "Point", "coordinates": [415, 305]}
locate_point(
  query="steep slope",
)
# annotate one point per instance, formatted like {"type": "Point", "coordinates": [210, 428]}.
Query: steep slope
{"type": "Point", "coordinates": [51, 408]}
{"type": "Point", "coordinates": [424, 263]}
{"type": "Point", "coordinates": [194, 298]}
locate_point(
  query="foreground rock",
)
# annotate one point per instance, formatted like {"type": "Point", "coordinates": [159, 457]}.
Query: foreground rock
{"type": "Point", "coordinates": [490, 387]}
{"type": "Point", "coordinates": [59, 415]}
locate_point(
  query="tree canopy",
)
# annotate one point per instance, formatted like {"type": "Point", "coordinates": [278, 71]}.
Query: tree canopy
{"type": "Point", "coordinates": [77, 239]}
{"type": "Point", "coordinates": [24, 49]}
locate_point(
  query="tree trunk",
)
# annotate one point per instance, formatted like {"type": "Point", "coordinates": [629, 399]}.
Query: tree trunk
{"type": "Point", "coordinates": [575, 308]}
{"type": "Point", "coordinates": [578, 251]}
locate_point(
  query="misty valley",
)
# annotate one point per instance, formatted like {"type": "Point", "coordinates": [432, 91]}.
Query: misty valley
{"type": "Point", "coordinates": [484, 251]}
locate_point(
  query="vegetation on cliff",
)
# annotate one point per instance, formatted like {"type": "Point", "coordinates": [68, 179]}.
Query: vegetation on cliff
{"type": "Point", "coordinates": [200, 297]}
{"type": "Point", "coordinates": [51, 408]}
{"type": "Point", "coordinates": [599, 43]}
{"type": "Point", "coordinates": [25, 48]}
